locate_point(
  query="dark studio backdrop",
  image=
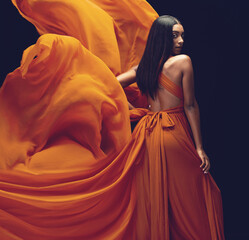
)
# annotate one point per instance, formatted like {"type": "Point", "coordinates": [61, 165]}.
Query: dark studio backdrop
{"type": "Point", "coordinates": [216, 40]}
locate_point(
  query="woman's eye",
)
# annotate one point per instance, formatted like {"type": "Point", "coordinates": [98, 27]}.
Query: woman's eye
{"type": "Point", "coordinates": [174, 36]}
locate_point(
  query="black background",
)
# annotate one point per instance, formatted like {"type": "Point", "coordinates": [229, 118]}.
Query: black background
{"type": "Point", "coordinates": [216, 39]}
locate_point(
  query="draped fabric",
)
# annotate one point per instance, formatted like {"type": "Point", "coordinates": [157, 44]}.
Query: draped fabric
{"type": "Point", "coordinates": [171, 86]}
{"type": "Point", "coordinates": [115, 31]}
{"type": "Point", "coordinates": [175, 199]}
{"type": "Point", "coordinates": [69, 166]}
{"type": "Point", "coordinates": [62, 123]}
{"type": "Point", "coordinates": [64, 118]}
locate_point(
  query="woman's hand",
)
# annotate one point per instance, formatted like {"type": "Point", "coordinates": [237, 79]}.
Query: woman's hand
{"type": "Point", "coordinates": [205, 160]}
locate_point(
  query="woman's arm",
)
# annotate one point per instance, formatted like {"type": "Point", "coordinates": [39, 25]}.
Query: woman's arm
{"type": "Point", "coordinates": [191, 109]}
{"type": "Point", "coordinates": [127, 78]}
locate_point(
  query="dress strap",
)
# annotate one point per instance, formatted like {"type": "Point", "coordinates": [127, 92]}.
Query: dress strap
{"type": "Point", "coordinates": [171, 86]}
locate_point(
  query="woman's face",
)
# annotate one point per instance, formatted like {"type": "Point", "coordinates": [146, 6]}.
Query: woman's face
{"type": "Point", "coordinates": [178, 36]}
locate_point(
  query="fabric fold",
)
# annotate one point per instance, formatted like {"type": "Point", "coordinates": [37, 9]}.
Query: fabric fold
{"type": "Point", "coordinates": [59, 99]}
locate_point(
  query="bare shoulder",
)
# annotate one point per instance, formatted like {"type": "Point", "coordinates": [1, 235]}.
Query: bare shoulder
{"type": "Point", "coordinates": [181, 62]}
{"type": "Point", "coordinates": [184, 63]}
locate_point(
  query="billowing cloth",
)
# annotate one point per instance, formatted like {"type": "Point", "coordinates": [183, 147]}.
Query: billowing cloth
{"type": "Point", "coordinates": [115, 31]}
{"type": "Point", "coordinates": [64, 118]}
{"type": "Point", "coordinates": [62, 123]}
{"type": "Point", "coordinates": [69, 166]}
{"type": "Point", "coordinates": [57, 98]}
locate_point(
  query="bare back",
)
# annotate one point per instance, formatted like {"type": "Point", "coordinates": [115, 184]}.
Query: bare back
{"type": "Point", "coordinates": [164, 98]}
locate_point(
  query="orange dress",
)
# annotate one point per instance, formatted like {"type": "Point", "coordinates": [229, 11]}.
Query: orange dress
{"type": "Point", "coordinates": [69, 166]}
{"type": "Point", "coordinates": [175, 199]}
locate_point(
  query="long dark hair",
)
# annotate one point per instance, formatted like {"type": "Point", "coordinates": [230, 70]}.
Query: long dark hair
{"type": "Point", "coordinates": [157, 51]}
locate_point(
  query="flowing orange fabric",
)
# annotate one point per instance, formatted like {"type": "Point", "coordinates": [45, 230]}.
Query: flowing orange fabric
{"type": "Point", "coordinates": [69, 166]}
{"type": "Point", "coordinates": [61, 124]}
{"type": "Point", "coordinates": [63, 119]}
{"type": "Point", "coordinates": [115, 31]}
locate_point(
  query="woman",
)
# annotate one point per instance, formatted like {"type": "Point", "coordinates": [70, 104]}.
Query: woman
{"type": "Point", "coordinates": [59, 178]}
{"type": "Point", "coordinates": [173, 202]}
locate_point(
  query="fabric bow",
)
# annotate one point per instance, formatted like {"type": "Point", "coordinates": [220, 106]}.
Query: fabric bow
{"type": "Point", "coordinates": [166, 121]}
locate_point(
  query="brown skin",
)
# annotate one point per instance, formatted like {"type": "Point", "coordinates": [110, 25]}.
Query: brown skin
{"type": "Point", "coordinates": [126, 79]}
{"type": "Point", "coordinates": [178, 68]}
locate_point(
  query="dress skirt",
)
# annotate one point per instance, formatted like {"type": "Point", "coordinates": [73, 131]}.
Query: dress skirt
{"type": "Point", "coordinates": [176, 200]}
